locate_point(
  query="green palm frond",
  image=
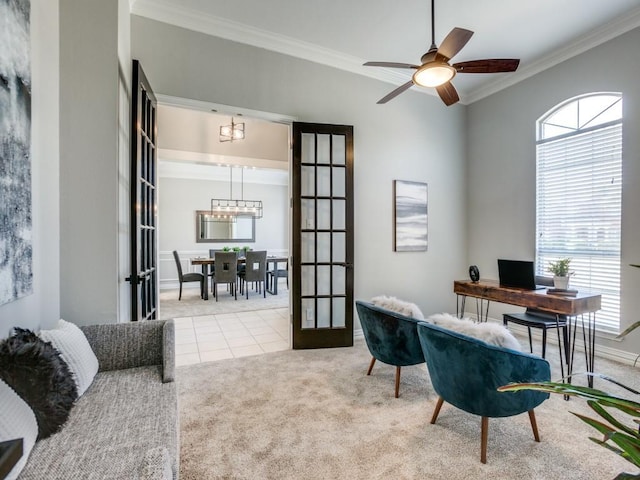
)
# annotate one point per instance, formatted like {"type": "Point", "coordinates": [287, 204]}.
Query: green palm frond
{"type": "Point", "coordinates": [617, 437]}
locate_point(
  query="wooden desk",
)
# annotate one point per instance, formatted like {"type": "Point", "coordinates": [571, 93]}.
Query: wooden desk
{"type": "Point", "coordinates": [585, 302]}
{"type": "Point", "coordinates": [205, 262]}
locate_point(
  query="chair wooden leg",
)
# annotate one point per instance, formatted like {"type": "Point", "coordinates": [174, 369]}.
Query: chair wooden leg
{"type": "Point", "coordinates": [436, 412]}
{"type": "Point", "coordinates": [534, 425]}
{"type": "Point", "coordinates": [180, 294]}
{"type": "Point", "coordinates": [398, 381]}
{"type": "Point", "coordinates": [373, 360]}
{"type": "Point", "coordinates": [484, 437]}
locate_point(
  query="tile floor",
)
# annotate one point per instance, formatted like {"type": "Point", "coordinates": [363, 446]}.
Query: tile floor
{"type": "Point", "coordinates": [216, 337]}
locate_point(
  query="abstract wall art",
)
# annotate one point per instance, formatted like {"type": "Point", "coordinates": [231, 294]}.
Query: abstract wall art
{"type": "Point", "coordinates": [410, 216]}
{"type": "Point", "coordinates": [16, 266]}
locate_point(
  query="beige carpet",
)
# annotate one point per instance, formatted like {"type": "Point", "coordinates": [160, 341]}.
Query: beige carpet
{"type": "Point", "coordinates": [192, 305]}
{"type": "Point", "coordinates": [314, 414]}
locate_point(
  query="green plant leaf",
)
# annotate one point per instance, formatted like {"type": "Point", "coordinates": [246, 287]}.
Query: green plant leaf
{"type": "Point", "coordinates": [597, 407]}
{"type": "Point", "coordinates": [627, 476]}
{"type": "Point", "coordinates": [628, 330]}
{"type": "Point", "coordinates": [630, 445]}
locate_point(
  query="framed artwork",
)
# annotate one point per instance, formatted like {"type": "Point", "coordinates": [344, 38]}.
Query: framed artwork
{"type": "Point", "coordinates": [409, 216]}
{"type": "Point", "coordinates": [16, 269]}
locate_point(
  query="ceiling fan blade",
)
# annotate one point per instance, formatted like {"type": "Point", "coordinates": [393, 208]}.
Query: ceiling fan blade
{"type": "Point", "coordinates": [390, 65]}
{"type": "Point", "coordinates": [396, 92]}
{"type": "Point", "coordinates": [453, 43]}
{"type": "Point", "coordinates": [448, 93]}
{"type": "Point", "coordinates": [494, 65]}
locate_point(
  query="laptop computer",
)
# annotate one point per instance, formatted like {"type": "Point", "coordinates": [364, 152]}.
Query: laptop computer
{"type": "Point", "coordinates": [518, 274]}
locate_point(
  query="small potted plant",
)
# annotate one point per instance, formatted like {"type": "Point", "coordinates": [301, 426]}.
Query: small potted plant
{"type": "Point", "coordinates": [561, 273]}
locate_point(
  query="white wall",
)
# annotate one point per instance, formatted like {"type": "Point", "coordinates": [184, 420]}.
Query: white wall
{"type": "Point", "coordinates": [124, 161]}
{"type": "Point", "coordinates": [42, 308]}
{"type": "Point", "coordinates": [90, 145]}
{"type": "Point", "coordinates": [501, 163]}
{"type": "Point", "coordinates": [414, 137]}
{"type": "Point", "coordinates": [180, 198]}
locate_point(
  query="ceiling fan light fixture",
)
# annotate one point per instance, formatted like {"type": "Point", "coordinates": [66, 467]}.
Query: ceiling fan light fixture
{"type": "Point", "coordinates": [433, 74]}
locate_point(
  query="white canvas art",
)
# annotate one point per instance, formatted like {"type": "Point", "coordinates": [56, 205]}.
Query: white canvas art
{"type": "Point", "coordinates": [410, 213]}
{"type": "Point", "coordinates": [16, 271]}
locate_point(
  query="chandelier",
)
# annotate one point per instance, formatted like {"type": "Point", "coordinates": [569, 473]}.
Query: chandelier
{"type": "Point", "coordinates": [229, 133]}
{"type": "Point", "coordinates": [228, 209]}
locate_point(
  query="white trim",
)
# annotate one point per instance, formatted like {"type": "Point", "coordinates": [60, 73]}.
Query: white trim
{"type": "Point", "coordinates": [190, 19]}
{"type": "Point", "coordinates": [174, 157]}
{"type": "Point", "coordinates": [163, 11]}
{"type": "Point", "coordinates": [597, 37]}
{"type": "Point", "coordinates": [602, 351]}
{"type": "Point", "coordinates": [200, 105]}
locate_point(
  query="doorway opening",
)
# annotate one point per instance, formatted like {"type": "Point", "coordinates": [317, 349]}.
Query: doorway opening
{"type": "Point", "coordinates": [195, 166]}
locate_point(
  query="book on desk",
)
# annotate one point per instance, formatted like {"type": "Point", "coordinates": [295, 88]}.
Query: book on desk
{"type": "Point", "coordinates": [562, 291]}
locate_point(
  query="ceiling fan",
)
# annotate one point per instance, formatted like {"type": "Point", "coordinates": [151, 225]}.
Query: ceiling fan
{"type": "Point", "coordinates": [435, 70]}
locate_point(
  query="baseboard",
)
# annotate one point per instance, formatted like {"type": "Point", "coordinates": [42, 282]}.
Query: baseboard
{"type": "Point", "coordinates": [602, 351]}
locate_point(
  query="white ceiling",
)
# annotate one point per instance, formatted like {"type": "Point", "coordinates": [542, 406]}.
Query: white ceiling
{"type": "Point", "coordinates": [346, 33]}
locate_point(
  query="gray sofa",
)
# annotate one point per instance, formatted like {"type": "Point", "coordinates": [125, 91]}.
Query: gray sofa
{"type": "Point", "coordinates": [125, 426]}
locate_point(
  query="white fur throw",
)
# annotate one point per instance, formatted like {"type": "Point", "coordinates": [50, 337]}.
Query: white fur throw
{"type": "Point", "coordinates": [491, 333]}
{"type": "Point", "coordinates": [399, 306]}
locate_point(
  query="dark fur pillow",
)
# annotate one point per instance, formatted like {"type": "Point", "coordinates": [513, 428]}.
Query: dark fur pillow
{"type": "Point", "coordinates": [37, 372]}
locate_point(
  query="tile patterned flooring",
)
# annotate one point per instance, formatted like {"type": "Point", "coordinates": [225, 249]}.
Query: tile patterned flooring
{"type": "Point", "coordinates": [209, 338]}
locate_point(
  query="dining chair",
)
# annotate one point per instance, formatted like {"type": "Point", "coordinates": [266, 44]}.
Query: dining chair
{"type": "Point", "coordinates": [254, 271]}
{"type": "Point", "coordinates": [226, 271]}
{"type": "Point", "coordinates": [188, 277]}
{"type": "Point", "coordinates": [276, 273]}
{"type": "Point", "coordinates": [212, 268]}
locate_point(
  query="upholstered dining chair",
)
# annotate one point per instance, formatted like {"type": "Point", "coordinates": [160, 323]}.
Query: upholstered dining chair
{"type": "Point", "coordinates": [226, 271]}
{"type": "Point", "coordinates": [187, 277]}
{"type": "Point", "coordinates": [254, 271]}
{"type": "Point", "coordinates": [276, 273]}
{"type": "Point", "coordinates": [391, 338]}
{"type": "Point", "coordinates": [466, 373]}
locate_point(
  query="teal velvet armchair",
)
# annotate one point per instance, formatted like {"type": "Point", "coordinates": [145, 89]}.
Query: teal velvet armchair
{"type": "Point", "coordinates": [466, 372]}
{"type": "Point", "coordinates": [391, 337]}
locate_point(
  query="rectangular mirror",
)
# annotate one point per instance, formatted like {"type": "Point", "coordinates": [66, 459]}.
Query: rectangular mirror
{"type": "Point", "coordinates": [243, 229]}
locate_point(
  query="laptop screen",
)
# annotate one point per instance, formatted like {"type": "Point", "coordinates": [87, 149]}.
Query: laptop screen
{"type": "Point", "coordinates": [516, 273]}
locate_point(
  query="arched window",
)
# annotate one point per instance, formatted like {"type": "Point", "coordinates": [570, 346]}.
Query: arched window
{"type": "Point", "coordinates": [579, 193]}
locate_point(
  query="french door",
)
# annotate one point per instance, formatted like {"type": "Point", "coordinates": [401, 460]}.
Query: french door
{"type": "Point", "coordinates": [143, 211]}
{"type": "Point", "coordinates": [322, 231]}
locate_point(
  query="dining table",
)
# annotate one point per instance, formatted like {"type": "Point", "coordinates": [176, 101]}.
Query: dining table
{"type": "Point", "coordinates": [206, 262]}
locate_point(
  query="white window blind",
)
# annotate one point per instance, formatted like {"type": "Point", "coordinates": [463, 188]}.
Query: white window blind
{"type": "Point", "coordinates": [579, 193]}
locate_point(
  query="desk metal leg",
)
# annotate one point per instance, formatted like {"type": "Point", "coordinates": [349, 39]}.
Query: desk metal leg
{"type": "Point", "coordinates": [589, 337]}
{"type": "Point", "coordinates": [483, 313]}
{"type": "Point", "coordinates": [460, 305]}
{"type": "Point", "coordinates": [563, 358]}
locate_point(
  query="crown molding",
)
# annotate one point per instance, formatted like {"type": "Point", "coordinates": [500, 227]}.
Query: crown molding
{"type": "Point", "coordinates": [594, 38]}
{"type": "Point", "coordinates": [168, 168]}
{"type": "Point", "coordinates": [217, 160]}
{"type": "Point", "coordinates": [165, 12]}
{"type": "Point", "coordinates": [191, 104]}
